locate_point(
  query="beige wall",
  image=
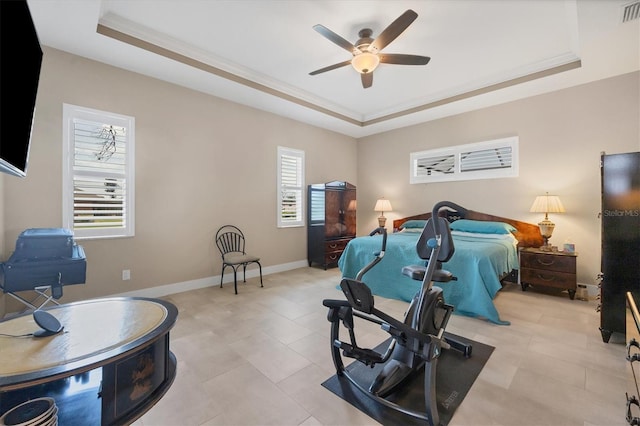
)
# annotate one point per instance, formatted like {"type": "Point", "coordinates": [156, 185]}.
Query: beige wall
{"type": "Point", "coordinates": [201, 162]}
{"type": "Point", "coordinates": [561, 137]}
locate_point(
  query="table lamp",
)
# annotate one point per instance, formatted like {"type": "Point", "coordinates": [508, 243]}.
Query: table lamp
{"type": "Point", "coordinates": [547, 204]}
{"type": "Point", "coordinates": [382, 205]}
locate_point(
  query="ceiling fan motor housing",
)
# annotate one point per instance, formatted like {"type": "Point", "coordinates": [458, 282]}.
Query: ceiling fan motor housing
{"type": "Point", "coordinates": [365, 39]}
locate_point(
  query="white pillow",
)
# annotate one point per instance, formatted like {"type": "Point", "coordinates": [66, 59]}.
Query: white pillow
{"type": "Point", "coordinates": [411, 230]}
{"type": "Point", "coordinates": [509, 237]}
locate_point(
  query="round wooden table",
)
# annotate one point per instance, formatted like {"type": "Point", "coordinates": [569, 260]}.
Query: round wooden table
{"type": "Point", "coordinates": [111, 361]}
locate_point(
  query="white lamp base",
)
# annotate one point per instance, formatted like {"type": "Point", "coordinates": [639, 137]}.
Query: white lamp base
{"type": "Point", "coordinates": [546, 230]}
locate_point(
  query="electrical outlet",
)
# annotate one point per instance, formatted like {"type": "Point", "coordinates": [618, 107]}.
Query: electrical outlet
{"type": "Point", "coordinates": [126, 274]}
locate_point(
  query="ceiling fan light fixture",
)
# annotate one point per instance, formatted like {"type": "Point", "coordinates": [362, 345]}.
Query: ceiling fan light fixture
{"type": "Point", "coordinates": [365, 58]}
{"type": "Point", "coordinates": [365, 62]}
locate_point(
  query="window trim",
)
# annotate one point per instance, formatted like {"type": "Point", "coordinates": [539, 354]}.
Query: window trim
{"type": "Point", "coordinates": [299, 155]}
{"type": "Point", "coordinates": [455, 152]}
{"type": "Point", "coordinates": [69, 115]}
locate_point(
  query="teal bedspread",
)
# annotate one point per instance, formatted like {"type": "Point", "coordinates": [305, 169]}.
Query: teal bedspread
{"type": "Point", "coordinates": [478, 263]}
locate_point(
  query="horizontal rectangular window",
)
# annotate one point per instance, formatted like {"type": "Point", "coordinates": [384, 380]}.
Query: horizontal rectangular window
{"type": "Point", "coordinates": [483, 160]}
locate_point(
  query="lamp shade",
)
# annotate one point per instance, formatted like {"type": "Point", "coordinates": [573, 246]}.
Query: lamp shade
{"type": "Point", "coordinates": [547, 204]}
{"type": "Point", "coordinates": [365, 62]}
{"type": "Point", "coordinates": [383, 205]}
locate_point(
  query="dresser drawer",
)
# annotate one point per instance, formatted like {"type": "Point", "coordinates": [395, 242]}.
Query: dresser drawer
{"type": "Point", "coordinates": [548, 278]}
{"type": "Point", "coordinates": [332, 246]}
{"type": "Point", "coordinates": [548, 269]}
{"type": "Point", "coordinates": [333, 250]}
{"type": "Point", "coordinates": [333, 257]}
{"type": "Point", "coordinates": [548, 262]}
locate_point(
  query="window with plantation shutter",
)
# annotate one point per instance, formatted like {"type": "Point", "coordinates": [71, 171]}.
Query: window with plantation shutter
{"type": "Point", "coordinates": [98, 173]}
{"type": "Point", "coordinates": [483, 160]}
{"type": "Point", "coordinates": [290, 187]}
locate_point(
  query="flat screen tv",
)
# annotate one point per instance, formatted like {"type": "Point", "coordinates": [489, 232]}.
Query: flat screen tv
{"type": "Point", "coordinates": [20, 62]}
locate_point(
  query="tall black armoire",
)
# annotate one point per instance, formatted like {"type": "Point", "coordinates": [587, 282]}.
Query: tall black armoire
{"type": "Point", "coordinates": [331, 221]}
{"type": "Point", "coordinates": [620, 239]}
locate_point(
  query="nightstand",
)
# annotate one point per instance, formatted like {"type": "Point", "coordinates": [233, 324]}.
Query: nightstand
{"type": "Point", "coordinates": [548, 269]}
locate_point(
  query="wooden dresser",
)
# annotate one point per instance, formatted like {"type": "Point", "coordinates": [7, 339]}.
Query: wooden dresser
{"type": "Point", "coordinates": [548, 269]}
{"type": "Point", "coordinates": [331, 221]}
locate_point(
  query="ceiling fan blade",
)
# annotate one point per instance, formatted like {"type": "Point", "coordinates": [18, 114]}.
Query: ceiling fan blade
{"type": "Point", "coordinates": [331, 36]}
{"type": "Point", "coordinates": [400, 59]}
{"type": "Point", "coordinates": [393, 30]}
{"type": "Point", "coordinates": [367, 80]}
{"type": "Point", "coordinates": [330, 67]}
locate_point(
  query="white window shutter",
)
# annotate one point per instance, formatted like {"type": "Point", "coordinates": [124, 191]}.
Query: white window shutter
{"type": "Point", "coordinates": [483, 160]}
{"type": "Point", "coordinates": [290, 187]}
{"type": "Point", "coordinates": [98, 174]}
{"type": "Point", "coordinates": [435, 165]}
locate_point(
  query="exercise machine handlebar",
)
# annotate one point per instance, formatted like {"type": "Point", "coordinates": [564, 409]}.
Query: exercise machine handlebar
{"type": "Point", "coordinates": [378, 255]}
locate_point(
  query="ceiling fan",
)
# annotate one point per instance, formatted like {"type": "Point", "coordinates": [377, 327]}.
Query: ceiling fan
{"type": "Point", "coordinates": [366, 51]}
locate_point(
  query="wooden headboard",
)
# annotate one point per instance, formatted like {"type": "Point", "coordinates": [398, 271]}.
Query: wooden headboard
{"type": "Point", "coordinates": [527, 234]}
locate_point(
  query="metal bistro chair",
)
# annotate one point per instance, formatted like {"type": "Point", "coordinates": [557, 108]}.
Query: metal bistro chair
{"type": "Point", "coordinates": [230, 242]}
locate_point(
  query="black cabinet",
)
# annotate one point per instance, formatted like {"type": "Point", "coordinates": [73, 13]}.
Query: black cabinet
{"type": "Point", "coordinates": [620, 177]}
{"type": "Point", "coordinates": [331, 221]}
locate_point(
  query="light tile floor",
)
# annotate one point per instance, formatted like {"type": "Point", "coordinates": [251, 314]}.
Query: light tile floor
{"type": "Point", "coordinates": [259, 358]}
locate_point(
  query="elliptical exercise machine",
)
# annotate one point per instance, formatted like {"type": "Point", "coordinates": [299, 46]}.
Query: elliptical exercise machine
{"type": "Point", "coordinates": [417, 340]}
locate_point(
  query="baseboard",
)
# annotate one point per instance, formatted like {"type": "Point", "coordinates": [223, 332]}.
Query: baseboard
{"type": "Point", "coordinates": [252, 272]}
{"type": "Point", "coordinates": [592, 289]}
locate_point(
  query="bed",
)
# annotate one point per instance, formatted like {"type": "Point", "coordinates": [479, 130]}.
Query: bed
{"type": "Point", "coordinates": [486, 250]}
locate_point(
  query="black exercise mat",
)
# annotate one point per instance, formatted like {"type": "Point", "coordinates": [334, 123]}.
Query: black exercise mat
{"type": "Point", "coordinates": [454, 376]}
